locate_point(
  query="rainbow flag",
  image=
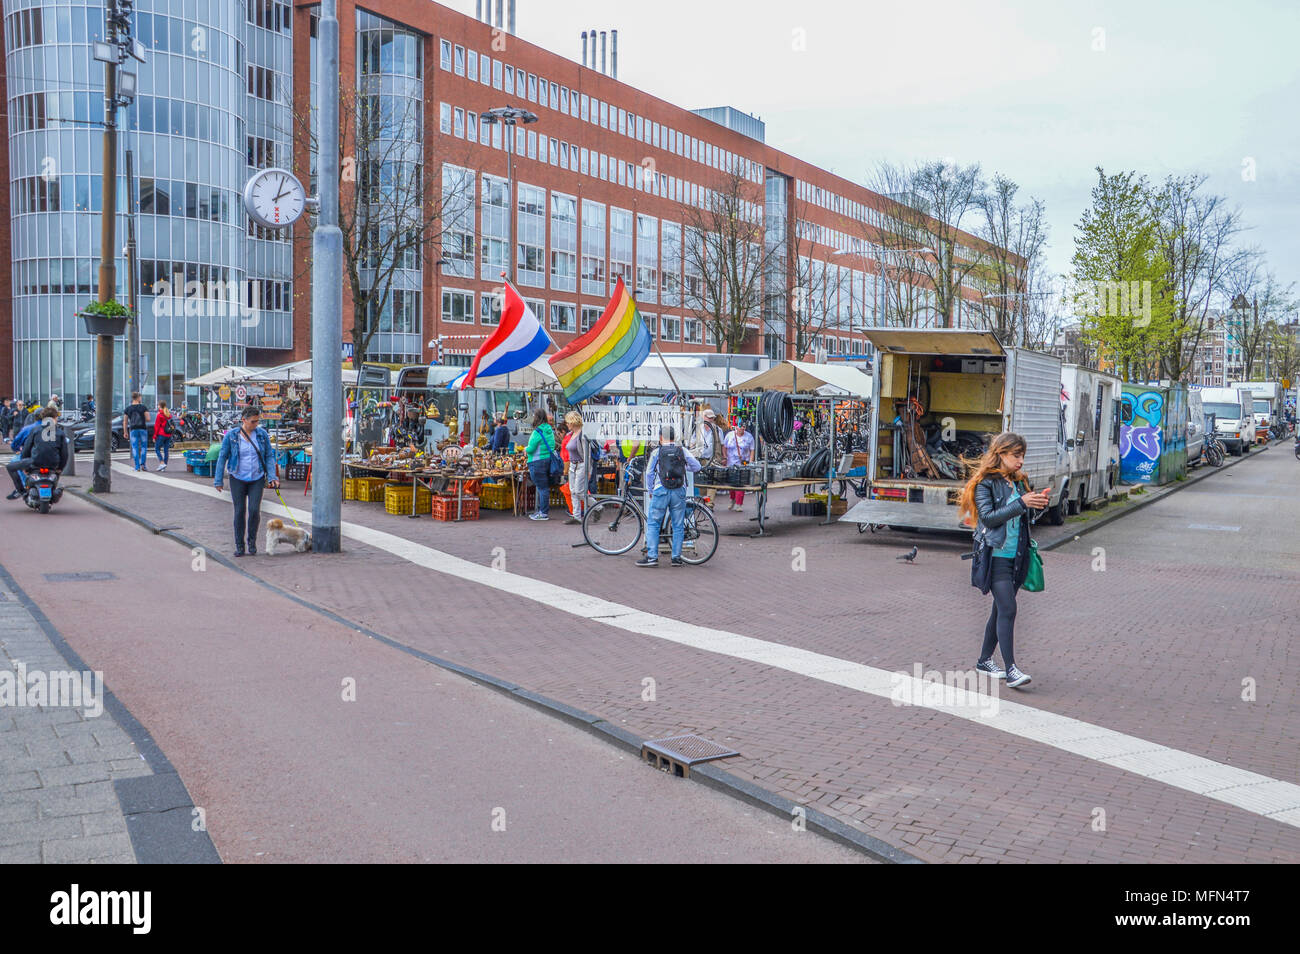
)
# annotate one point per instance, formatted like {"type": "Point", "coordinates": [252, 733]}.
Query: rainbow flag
{"type": "Point", "coordinates": [618, 342]}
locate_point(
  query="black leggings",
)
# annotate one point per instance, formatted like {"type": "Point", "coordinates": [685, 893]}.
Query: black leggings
{"type": "Point", "coordinates": [1000, 630]}
{"type": "Point", "coordinates": [247, 496]}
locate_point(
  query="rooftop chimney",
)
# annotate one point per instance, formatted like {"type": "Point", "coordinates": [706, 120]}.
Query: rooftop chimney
{"type": "Point", "coordinates": [602, 51]}
{"type": "Point", "coordinates": [584, 47]}
{"type": "Point", "coordinates": [510, 24]}
{"type": "Point", "coordinates": [478, 10]}
{"type": "Point", "coordinates": [501, 17]}
{"type": "Point", "coordinates": [613, 53]}
{"type": "Point", "coordinates": [592, 64]}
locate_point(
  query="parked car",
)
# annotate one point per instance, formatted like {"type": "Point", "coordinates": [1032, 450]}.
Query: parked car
{"type": "Point", "coordinates": [83, 435]}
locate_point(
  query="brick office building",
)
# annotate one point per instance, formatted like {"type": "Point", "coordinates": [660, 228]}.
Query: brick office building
{"type": "Point", "coordinates": [605, 182]}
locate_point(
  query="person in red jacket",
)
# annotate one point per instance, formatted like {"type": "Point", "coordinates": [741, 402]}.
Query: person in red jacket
{"type": "Point", "coordinates": [162, 439]}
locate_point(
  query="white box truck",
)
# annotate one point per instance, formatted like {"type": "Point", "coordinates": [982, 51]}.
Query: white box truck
{"type": "Point", "coordinates": [955, 384]}
{"type": "Point", "coordinates": [1267, 400]}
{"type": "Point", "coordinates": [1090, 402]}
{"type": "Point", "coordinates": [1234, 418]}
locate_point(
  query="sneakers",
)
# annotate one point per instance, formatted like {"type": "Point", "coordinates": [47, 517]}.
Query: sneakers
{"type": "Point", "coordinates": [14, 495]}
{"type": "Point", "coordinates": [161, 468]}
{"type": "Point", "coordinates": [647, 561]}
{"type": "Point", "coordinates": [538, 516]}
{"type": "Point", "coordinates": [1016, 678]}
{"type": "Point", "coordinates": [678, 561]}
{"type": "Point", "coordinates": [252, 549]}
{"type": "Point", "coordinates": [989, 668]}
{"type": "Point", "coordinates": [239, 551]}
{"type": "Point", "coordinates": [571, 520]}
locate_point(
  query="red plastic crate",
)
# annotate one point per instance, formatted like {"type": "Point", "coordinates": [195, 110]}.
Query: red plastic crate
{"type": "Point", "coordinates": [444, 508]}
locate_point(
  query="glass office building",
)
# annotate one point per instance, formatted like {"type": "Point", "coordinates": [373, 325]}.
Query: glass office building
{"type": "Point", "coordinates": [214, 94]}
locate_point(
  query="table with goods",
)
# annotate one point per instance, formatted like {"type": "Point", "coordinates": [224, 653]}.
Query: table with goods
{"type": "Point", "coordinates": [450, 483]}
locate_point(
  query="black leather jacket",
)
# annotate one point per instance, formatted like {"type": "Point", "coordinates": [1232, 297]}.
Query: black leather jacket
{"type": "Point", "coordinates": [994, 509]}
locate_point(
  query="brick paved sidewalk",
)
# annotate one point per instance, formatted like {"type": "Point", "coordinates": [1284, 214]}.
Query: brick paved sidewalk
{"type": "Point", "coordinates": [943, 789]}
{"type": "Point", "coordinates": [58, 765]}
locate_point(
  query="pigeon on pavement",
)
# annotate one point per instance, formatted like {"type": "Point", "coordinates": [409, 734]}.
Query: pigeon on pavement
{"type": "Point", "coordinates": [909, 556]}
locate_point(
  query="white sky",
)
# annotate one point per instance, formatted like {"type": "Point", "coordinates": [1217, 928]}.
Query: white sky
{"type": "Point", "coordinates": [1016, 86]}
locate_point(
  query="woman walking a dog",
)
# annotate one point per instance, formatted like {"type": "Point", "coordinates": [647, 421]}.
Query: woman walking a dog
{"type": "Point", "coordinates": [246, 453]}
{"type": "Point", "coordinates": [997, 500]}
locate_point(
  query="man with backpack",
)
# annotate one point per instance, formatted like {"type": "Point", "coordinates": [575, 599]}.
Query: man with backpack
{"type": "Point", "coordinates": [40, 444]}
{"type": "Point", "coordinates": [135, 428]}
{"type": "Point", "coordinates": [665, 481]}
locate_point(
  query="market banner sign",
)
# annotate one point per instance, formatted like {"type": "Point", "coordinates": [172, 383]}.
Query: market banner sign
{"type": "Point", "coordinates": [634, 423]}
{"type": "Point", "coordinates": [223, 392]}
{"type": "Point", "coordinates": [271, 415]}
{"type": "Point", "coordinates": [271, 404]}
{"type": "Point", "coordinates": [271, 387]}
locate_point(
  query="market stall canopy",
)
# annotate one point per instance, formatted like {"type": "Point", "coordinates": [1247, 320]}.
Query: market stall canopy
{"type": "Point", "coordinates": [227, 375]}
{"type": "Point", "coordinates": [651, 376]}
{"type": "Point", "coordinates": [299, 371]}
{"type": "Point", "coordinates": [535, 377]}
{"type": "Point", "coordinates": [809, 377]}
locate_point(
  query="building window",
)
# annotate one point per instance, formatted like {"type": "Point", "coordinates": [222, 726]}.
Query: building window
{"type": "Point", "coordinates": [471, 64]}
{"type": "Point", "coordinates": [485, 70]}
{"type": "Point", "coordinates": [458, 217]}
{"type": "Point", "coordinates": [495, 245]}
{"type": "Point", "coordinates": [564, 99]}
{"type": "Point", "coordinates": [444, 54]}
{"type": "Point", "coordinates": [458, 307]}
{"type": "Point", "coordinates": [532, 87]}
{"type": "Point", "coordinates": [651, 322]}
{"type": "Point", "coordinates": [620, 247]}
{"type": "Point", "coordinates": [694, 331]}
{"type": "Point", "coordinates": [647, 258]}
{"type": "Point", "coordinates": [444, 119]}
{"type": "Point", "coordinates": [564, 242]}
{"type": "Point", "coordinates": [530, 258]}
{"type": "Point", "coordinates": [589, 317]}
{"type": "Point", "coordinates": [672, 329]}
{"type": "Point", "coordinates": [460, 61]}
{"type": "Point", "coordinates": [563, 317]}
{"type": "Point", "coordinates": [489, 309]}
{"type": "Point", "coordinates": [496, 73]}
{"type": "Point", "coordinates": [458, 127]}
{"type": "Point", "coordinates": [671, 281]}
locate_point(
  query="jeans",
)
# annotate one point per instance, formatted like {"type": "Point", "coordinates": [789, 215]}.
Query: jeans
{"type": "Point", "coordinates": [162, 445]}
{"type": "Point", "coordinates": [16, 467]}
{"type": "Point", "coordinates": [674, 502]}
{"type": "Point", "coordinates": [1000, 629]}
{"type": "Point", "coordinates": [139, 447]}
{"type": "Point", "coordinates": [247, 496]}
{"type": "Point", "coordinates": [577, 488]}
{"type": "Point", "coordinates": [540, 471]}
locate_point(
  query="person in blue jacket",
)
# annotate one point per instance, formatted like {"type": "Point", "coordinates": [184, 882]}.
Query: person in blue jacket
{"type": "Point", "coordinates": [247, 455]}
{"type": "Point", "coordinates": [21, 460]}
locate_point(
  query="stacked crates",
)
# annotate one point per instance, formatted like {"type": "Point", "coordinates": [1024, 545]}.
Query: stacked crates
{"type": "Point", "coordinates": [497, 497]}
{"type": "Point", "coordinates": [368, 489]}
{"type": "Point", "coordinates": [444, 508]}
{"type": "Point", "coordinates": [397, 499]}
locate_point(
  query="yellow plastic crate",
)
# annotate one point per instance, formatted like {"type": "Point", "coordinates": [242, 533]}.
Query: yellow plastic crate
{"type": "Point", "coordinates": [349, 488]}
{"type": "Point", "coordinates": [368, 489]}
{"type": "Point", "coordinates": [497, 497]}
{"type": "Point", "coordinates": [397, 499]}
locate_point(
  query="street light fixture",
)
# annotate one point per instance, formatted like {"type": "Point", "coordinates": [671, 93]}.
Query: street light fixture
{"type": "Point", "coordinates": [509, 117]}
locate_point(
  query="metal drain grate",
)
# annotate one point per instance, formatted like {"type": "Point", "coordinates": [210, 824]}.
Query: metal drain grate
{"type": "Point", "coordinates": [677, 753]}
{"type": "Point", "coordinates": [79, 577]}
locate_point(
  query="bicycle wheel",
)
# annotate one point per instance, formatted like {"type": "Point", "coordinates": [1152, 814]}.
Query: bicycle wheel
{"type": "Point", "coordinates": [613, 526]}
{"type": "Point", "coordinates": [700, 541]}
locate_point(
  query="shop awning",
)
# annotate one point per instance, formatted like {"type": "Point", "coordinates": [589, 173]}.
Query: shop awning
{"type": "Point", "coordinates": [227, 375]}
{"type": "Point", "coordinates": [296, 371]}
{"type": "Point", "coordinates": [804, 377]}
{"type": "Point", "coordinates": [651, 376]}
{"type": "Point", "coordinates": [536, 377]}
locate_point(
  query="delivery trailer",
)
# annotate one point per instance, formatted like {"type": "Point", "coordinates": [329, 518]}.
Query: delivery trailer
{"type": "Point", "coordinates": [952, 384]}
{"type": "Point", "coordinates": [1090, 404]}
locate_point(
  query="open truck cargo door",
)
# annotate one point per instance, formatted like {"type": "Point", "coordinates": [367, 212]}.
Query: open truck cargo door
{"type": "Point", "coordinates": [950, 341]}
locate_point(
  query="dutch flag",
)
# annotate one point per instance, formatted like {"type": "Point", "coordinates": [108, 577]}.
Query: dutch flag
{"type": "Point", "coordinates": [518, 341]}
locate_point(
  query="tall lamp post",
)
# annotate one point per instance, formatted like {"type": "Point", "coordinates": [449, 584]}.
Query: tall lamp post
{"type": "Point", "coordinates": [1241, 305]}
{"type": "Point", "coordinates": [509, 117]}
{"type": "Point", "coordinates": [119, 90]}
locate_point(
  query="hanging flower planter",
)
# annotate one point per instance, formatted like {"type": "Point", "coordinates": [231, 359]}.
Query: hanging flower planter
{"type": "Point", "coordinates": [105, 318]}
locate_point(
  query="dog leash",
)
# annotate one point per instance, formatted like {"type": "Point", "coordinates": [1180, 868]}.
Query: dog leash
{"type": "Point", "coordinates": [286, 506]}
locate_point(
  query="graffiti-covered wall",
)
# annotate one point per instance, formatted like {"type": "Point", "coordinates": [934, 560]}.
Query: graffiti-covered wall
{"type": "Point", "coordinates": [1153, 434]}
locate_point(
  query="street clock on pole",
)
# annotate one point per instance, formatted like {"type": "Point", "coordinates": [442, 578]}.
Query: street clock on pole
{"type": "Point", "coordinates": [274, 198]}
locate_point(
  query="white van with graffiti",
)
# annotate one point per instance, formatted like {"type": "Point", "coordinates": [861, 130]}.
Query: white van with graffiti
{"type": "Point", "coordinates": [1234, 416]}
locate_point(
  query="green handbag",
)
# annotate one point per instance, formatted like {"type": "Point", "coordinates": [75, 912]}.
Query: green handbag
{"type": "Point", "coordinates": [1034, 582]}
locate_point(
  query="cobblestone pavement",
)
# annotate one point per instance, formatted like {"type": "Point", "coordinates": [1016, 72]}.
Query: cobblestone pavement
{"type": "Point", "coordinates": [1152, 642]}
{"type": "Point", "coordinates": [57, 763]}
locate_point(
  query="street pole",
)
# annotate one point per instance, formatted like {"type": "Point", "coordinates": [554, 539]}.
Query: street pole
{"type": "Point", "coordinates": [327, 306]}
{"type": "Point", "coordinates": [509, 132]}
{"type": "Point", "coordinates": [102, 481]}
{"type": "Point", "coordinates": [133, 369]}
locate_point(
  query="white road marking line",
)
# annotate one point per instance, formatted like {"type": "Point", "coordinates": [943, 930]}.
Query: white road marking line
{"type": "Point", "coordinates": [1250, 791]}
{"type": "Point", "coordinates": [1212, 526]}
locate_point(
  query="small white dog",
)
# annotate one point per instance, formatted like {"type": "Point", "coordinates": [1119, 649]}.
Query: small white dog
{"type": "Point", "coordinates": [278, 533]}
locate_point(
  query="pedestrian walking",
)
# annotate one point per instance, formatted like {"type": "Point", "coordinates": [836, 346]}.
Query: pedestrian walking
{"type": "Point", "coordinates": [740, 451]}
{"type": "Point", "coordinates": [544, 464]}
{"type": "Point", "coordinates": [162, 436]}
{"type": "Point", "coordinates": [246, 454]}
{"type": "Point", "coordinates": [665, 481]}
{"type": "Point", "coordinates": [6, 418]}
{"type": "Point", "coordinates": [135, 428]}
{"type": "Point", "coordinates": [579, 454]}
{"type": "Point", "coordinates": [998, 501]}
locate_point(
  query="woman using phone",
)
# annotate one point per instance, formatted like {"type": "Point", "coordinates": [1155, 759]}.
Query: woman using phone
{"type": "Point", "coordinates": [997, 499]}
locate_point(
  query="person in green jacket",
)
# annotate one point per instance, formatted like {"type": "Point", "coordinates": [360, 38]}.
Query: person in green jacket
{"type": "Point", "coordinates": [542, 450]}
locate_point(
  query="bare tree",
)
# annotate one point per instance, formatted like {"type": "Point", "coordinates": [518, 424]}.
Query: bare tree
{"type": "Point", "coordinates": [1261, 309]}
{"type": "Point", "coordinates": [727, 260]}
{"type": "Point", "coordinates": [1194, 234]}
{"type": "Point", "coordinates": [924, 221]}
{"type": "Point", "coordinates": [813, 302]}
{"type": "Point", "coordinates": [1017, 305]}
{"type": "Point", "coordinates": [391, 208]}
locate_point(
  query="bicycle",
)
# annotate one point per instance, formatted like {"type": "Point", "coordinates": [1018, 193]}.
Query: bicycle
{"type": "Point", "coordinates": [1215, 452]}
{"type": "Point", "coordinates": [614, 525]}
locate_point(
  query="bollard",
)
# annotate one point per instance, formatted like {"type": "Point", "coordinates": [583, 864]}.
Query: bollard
{"type": "Point", "coordinates": [71, 469]}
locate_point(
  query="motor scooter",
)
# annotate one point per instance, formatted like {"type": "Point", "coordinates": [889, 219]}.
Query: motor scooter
{"type": "Point", "coordinates": [42, 490]}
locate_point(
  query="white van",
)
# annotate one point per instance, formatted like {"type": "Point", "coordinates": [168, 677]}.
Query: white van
{"type": "Point", "coordinates": [1234, 416]}
{"type": "Point", "coordinates": [1195, 428]}
{"type": "Point", "coordinates": [1090, 403]}
{"type": "Point", "coordinates": [1267, 397]}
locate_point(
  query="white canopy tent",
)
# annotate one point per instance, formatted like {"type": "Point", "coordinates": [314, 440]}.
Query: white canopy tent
{"type": "Point", "coordinates": [296, 371]}
{"type": "Point", "coordinates": [804, 377]}
{"type": "Point", "coordinates": [652, 376]}
{"type": "Point", "coordinates": [227, 375]}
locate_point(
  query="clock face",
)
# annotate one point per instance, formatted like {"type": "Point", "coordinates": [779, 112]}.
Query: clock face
{"type": "Point", "coordinates": [274, 198]}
